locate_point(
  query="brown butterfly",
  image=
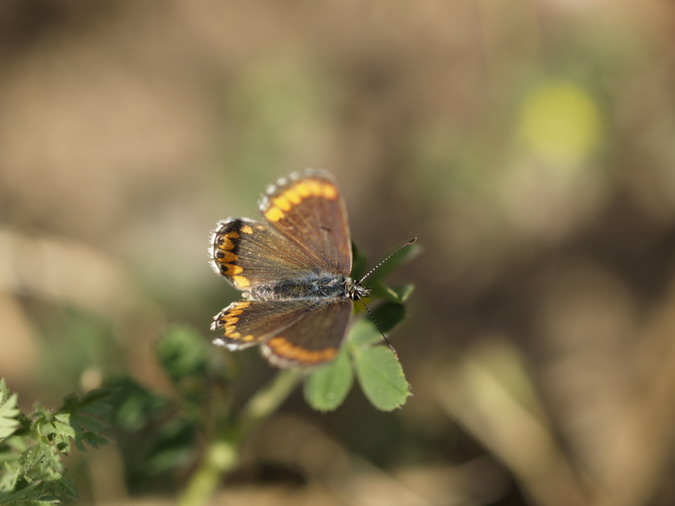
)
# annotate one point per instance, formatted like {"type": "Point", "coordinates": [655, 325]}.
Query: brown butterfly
{"type": "Point", "coordinates": [294, 271]}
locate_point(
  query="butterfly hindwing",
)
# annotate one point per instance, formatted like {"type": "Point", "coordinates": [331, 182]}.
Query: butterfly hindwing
{"type": "Point", "coordinates": [307, 208]}
{"type": "Point", "coordinates": [313, 339]}
{"type": "Point", "coordinates": [247, 323]}
{"type": "Point", "coordinates": [293, 332]}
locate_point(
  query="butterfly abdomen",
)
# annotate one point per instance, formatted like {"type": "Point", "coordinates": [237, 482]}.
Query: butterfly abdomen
{"type": "Point", "coordinates": [331, 286]}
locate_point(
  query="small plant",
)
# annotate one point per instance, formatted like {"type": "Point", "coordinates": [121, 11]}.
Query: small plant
{"type": "Point", "coordinates": [32, 446]}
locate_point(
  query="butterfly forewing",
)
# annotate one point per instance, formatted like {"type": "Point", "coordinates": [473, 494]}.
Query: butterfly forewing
{"type": "Point", "coordinates": [248, 253]}
{"type": "Point", "coordinates": [308, 210]}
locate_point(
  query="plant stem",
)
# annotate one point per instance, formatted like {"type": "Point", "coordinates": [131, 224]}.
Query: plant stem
{"type": "Point", "coordinates": [222, 453]}
{"type": "Point", "coordinates": [267, 400]}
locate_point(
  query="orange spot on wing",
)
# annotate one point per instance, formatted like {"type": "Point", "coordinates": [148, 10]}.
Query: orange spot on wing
{"type": "Point", "coordinates": [227, 257]}
{"type": "Point", "coordinates": [303, 189]}
{"type": "Point", "coordinates": [226, 244]}
{"type": "Point", "coordinates": [241, 281]}
{"type": "Point", "coordinates": [233, 270]}
{"type": "Point", "coordinates": [330, 191]}
{"type": "Point", "coordinates": [293, 196]}
{"type": "Point", "coordinates": [282, 203]}
{"type": "Point", "coordinates": [289, 351]}
{"type": "Point", "coordinates": [274, 214]}
{"type": "Point", "coordinates": [314, 187]}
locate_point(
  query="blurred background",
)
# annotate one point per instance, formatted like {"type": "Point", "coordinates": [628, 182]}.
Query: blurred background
{"type": "Point", "coordinates": [529, 145]}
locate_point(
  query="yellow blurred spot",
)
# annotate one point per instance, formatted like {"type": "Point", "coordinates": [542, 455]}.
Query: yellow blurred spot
{"type": "Point", "coordinates": [561, 123]}
{"type": "Point", "coordinates": [274, 214]}
{"type": "Point", "coordinates": [282, 203]}
{"type": "Point", "coordinates": [241, 281]}
{"type": "Point", "coordinates": [329, 191]}
{"type": "Point", "coordinates": [233, 270]}
{"type": "Point", "coordinates": [293, 196]}
{"type": "Point", "coordinates": [247, 229]}
{"type": "Point", "coordinates": [303, 189]}
{"type": "Point", "coordinates": [314, 187]}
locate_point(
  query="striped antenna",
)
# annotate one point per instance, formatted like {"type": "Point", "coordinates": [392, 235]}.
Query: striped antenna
{"type": "Point", "coordinates": [377, 326]}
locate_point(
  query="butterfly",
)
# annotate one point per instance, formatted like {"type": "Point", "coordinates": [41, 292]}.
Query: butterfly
{"type": "Point", "coordinates": [293, 269]}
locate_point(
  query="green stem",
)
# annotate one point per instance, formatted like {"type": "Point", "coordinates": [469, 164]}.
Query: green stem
{"type": "Point", "coordinates": [267, 400]}
{"type": "Point", "coordinates": [222, 454]}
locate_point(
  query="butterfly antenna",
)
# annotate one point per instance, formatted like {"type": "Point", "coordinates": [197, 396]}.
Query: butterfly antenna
{"type": "Point", "coordinates": [409, 243]}
{"type": "Point", "coordinates": [391, 346]}
{"type": "Point", "coordinates": [372, 317]}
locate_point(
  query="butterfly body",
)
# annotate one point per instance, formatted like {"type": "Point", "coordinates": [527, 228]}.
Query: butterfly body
{"type": "Point", "coordinates": [294, 271]}
{"type": "Point", "coordinates": [311, 287]}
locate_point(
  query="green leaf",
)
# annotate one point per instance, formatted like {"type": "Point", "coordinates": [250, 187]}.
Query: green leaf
{"type": "Point", "coordinates": [134, 406]}
{"type": "Point", "coordinates": [327, 386]}
{"type": "Point", "coordinates": [40, 462]}
{"type": "Point", "coordinates": [175, 445]}
{"type": "Point", "coordinates": [388, 315]}
{"type": "Point", "coordinates": [184, 353]}
{"type": "Point", "coordinates": [78, 420]}
{"type": "Point", "coordinates": [400, 294]}
{"type": "Point", "coordinates": [85, 417]}
{"type": "Point", "coordinates": [8, 412]}
{"type": "Point", "coordinates": [381, 377]}
{"type": "Point", "coordinates": [11, 472]}
{"type": "Point", "coordinates": [57, 430]}
{"type": "Point", "coordinates": [46, 492]}
{"type": "Point", "coordinates": [365, 332]}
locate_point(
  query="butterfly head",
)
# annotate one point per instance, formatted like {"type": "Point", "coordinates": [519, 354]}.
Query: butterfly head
{"type": "Point", "coordinates": [354, 290]}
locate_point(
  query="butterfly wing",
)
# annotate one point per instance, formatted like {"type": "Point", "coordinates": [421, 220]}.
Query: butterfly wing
{"type": "Point", "coordinates": [307, 209]}
{"type": "Point", "coordinates": [313, 339]}
{"type": "Point", "coordinates": [293, 332]}
{"type": "Point", "coordinates": [248, 253]}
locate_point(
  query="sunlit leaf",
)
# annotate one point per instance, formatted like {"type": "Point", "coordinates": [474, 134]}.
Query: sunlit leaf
{"type": "Point", "coordinates": [363, 333]}
{"type": "Point", "coordinates": [8, 412]}
{"type": "Point", "coordinates": [381, 377]}
{"type": "Point", "coordinates": [387, 316]}
{"type": "Point", "coordinates": [326, 388]}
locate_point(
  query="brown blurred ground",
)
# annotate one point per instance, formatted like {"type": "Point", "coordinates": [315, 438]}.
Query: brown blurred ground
{"type": "Point", "coordinates": [529, 145]}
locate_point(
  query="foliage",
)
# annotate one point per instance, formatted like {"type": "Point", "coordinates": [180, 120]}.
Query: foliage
{"type": "Point", "coordinates": [32, 446]}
